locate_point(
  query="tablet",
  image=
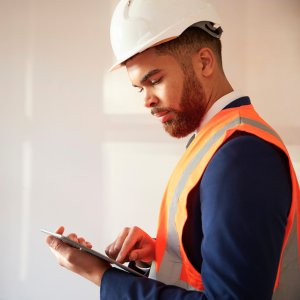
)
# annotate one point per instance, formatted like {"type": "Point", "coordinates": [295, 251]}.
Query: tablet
{"type": "Point", "coordinates": [79, 246]}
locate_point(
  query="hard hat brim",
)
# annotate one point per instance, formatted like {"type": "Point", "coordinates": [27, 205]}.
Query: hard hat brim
{"type": "Point", "coordinates": [119, 63]}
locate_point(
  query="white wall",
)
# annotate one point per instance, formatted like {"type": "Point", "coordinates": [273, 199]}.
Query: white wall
{"type": "Point", "coordinates": [77, 147]}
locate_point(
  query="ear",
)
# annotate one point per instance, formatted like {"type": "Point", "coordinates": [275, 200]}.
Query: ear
{"type": "Point", "coordinates": [204, 62]}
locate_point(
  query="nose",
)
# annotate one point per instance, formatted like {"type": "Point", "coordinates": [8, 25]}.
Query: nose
{"type": "Point", "coordinates": [150, 100]}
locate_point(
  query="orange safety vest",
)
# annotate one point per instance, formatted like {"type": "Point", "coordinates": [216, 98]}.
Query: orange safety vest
{"type": "Point", "coordinates": [171, 264]}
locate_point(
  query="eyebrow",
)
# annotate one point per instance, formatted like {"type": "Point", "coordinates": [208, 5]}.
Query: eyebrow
{"type": "Point", "coordinates": [149, 74]}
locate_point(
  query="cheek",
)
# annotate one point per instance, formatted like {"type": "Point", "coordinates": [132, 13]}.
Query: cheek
{"type": "Point", "coordinates": [170, 95]}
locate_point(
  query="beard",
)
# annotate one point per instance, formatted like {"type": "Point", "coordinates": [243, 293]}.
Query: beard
{"type": "Point", "coordinates": [192, 107]}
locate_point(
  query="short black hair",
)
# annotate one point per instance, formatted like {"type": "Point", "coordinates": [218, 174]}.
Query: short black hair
{"type": "Point", "coordinates": [186, 45]}
{"type": "Point", "coordinates": [190, 42]}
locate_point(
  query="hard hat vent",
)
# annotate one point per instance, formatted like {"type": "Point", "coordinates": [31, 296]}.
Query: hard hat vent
{"type": "Point", "coordinates": [209, 28]}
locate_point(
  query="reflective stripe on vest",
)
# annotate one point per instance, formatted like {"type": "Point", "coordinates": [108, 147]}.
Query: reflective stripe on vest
{"type": "Point", "coordinates": [171, 265]}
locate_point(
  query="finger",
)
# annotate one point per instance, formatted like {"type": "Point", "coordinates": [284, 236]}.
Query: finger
{"type": "Point", "coordinates": [89, 245]}
{"type": "Point", "coordinates": [73, 237]}
{"type": "Point", "coordinates": [120, 241]}
{"type": "Point", "coordinates": [60, 230]}
{"type": "Point", "coordinates": [111, 251]}
{"type": "Point", "coordinates": [82, 242]}
{"type": "Point", "coordinates": [107, 249]}
{"type": "Point", "coordinates": [132, 238]}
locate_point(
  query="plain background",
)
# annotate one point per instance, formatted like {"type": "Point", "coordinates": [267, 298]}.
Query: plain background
{"type": "Point", "coordinates": [78, 149]}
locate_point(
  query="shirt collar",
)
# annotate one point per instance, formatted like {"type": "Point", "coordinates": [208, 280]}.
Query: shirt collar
{"type": "Point", "coordinates": [218, 106]}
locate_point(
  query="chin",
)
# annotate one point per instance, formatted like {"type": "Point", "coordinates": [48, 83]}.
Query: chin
{"type": "Point", "coordinates": [178, 132]}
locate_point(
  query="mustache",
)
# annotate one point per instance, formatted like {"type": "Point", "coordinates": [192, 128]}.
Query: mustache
{"type": "Point", "coordinates": [156, 110]}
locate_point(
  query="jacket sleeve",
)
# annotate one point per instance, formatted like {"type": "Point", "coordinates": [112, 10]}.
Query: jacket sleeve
{"type": "Point", "coordinates": [245, 196]}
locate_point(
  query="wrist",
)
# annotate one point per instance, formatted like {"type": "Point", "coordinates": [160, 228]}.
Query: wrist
{"type": "Point", "coordinates": [96, 275]}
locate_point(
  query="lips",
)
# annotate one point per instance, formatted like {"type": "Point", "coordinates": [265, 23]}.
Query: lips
{"type": "Point", "coordinates": [162, 116]}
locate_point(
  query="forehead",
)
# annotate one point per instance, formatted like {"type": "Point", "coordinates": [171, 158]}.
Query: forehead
{"type": "Point", "coordinates": [147, 61]}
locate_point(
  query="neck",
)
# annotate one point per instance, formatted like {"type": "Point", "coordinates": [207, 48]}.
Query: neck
{"type": "Point", "coordinates": [219, 89]}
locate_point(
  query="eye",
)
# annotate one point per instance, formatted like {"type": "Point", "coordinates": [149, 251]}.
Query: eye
{"type": "Point", "coordinates": [154, 82]}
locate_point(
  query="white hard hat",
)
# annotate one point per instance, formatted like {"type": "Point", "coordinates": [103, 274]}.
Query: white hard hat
{"type": "Point", "coordinates": [140, 24]}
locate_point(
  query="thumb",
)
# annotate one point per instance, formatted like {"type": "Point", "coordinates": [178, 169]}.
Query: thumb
{"type": "Point", "coordinates": [133, 256]}
{"type": "Point", "coordinates": [66, 256]}
{"type": "Point", "coordinates": [51, 241]}
{"type": "Point", "coordinates": [57, 245]}
{"type": "Point", "coordinates": [144, 254]}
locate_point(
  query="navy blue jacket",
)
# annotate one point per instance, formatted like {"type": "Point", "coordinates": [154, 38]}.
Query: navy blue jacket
{"type": "Point", "coordinates": [235, 229]}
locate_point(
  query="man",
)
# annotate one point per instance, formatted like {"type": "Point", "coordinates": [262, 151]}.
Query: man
{"type": "Point", "coordinates": [228, 220]}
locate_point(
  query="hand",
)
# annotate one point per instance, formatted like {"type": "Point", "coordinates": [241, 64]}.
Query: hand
{"type": "Point", "coordinates": [75, 260]}
{"type": "Point", "coordinates": [81, 240]}
{"type": "Point", "coordinates": [132, 244]}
